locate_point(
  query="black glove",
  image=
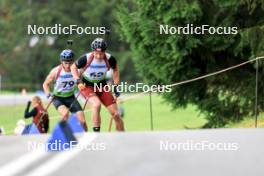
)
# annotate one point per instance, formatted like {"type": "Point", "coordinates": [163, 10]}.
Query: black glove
{"type": "Point", "coordinates": [117, 94]}
{"type": "Point", "coordinates": [50, 95]}
{"type": "Point", "coordinates": [79, 81]}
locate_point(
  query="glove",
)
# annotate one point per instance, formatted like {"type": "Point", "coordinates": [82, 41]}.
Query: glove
{"type": "Point", "coordinates": [50, 95]}
{"type": "Point", "coordinates": [117, 94]}
{"type": "Point", "coordinates": [79, 81]}
{"type": "Point", "coordinates": [80, 84]}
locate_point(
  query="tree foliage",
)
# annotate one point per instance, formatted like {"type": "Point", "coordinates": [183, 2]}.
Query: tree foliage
{"type": "Point", "coordinates": [166, 59]}
{"type": "Point", "coordinates": [22, 65]}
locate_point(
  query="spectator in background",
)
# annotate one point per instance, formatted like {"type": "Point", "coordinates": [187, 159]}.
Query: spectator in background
{"type": "Point", "coordinates": [24, 92]}
{"type": "Point", "coordinates": [39, 114]}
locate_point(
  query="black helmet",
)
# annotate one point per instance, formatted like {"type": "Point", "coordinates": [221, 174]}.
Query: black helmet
{"type": "Point", "coordinates": [99, 43]}
{"type": "Point", "coordinates": [67, 55]}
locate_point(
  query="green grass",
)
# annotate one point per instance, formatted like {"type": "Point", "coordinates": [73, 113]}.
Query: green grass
{"type": "Point", "coordinates": [6, 92]}
{"type": "Point", "coordinates": [137, 116]}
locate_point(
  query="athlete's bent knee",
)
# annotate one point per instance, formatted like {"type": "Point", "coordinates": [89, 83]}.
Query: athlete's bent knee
{"type": "Point", "coordinates": [96, 105]}
{"type": "Point", "coordinates": [116, 115]}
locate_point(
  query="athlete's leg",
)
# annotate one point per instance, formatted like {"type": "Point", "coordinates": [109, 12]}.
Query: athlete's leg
{"type": "Point", "coordinates": [61, 108]}
{"type": "Point", "coordinates": [96, 107]}
{"type": "Point", "coordinates": [110, 103]}
{"type": "Point", "coordinates": [64, 112]}
{"type": "Point", "coordinates": [89, 95]}
{"type": "Point", "coordinates": [116, 116]}
{"type": "Point", "coordinates": [75, 107]}
{"type": "Point", "coordinates": [82, 120]}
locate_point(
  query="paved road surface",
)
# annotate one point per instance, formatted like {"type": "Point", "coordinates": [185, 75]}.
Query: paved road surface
{"type": "Point", "coordinates": [18, 99]}
{"type": "Point", "coordinates": [226, 152]}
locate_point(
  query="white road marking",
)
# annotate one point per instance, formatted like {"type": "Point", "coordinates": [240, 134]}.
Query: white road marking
{"type": "Point", "coordinates": [22, 162]}
{"type": "Point", "coordinates": [61, 158]}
